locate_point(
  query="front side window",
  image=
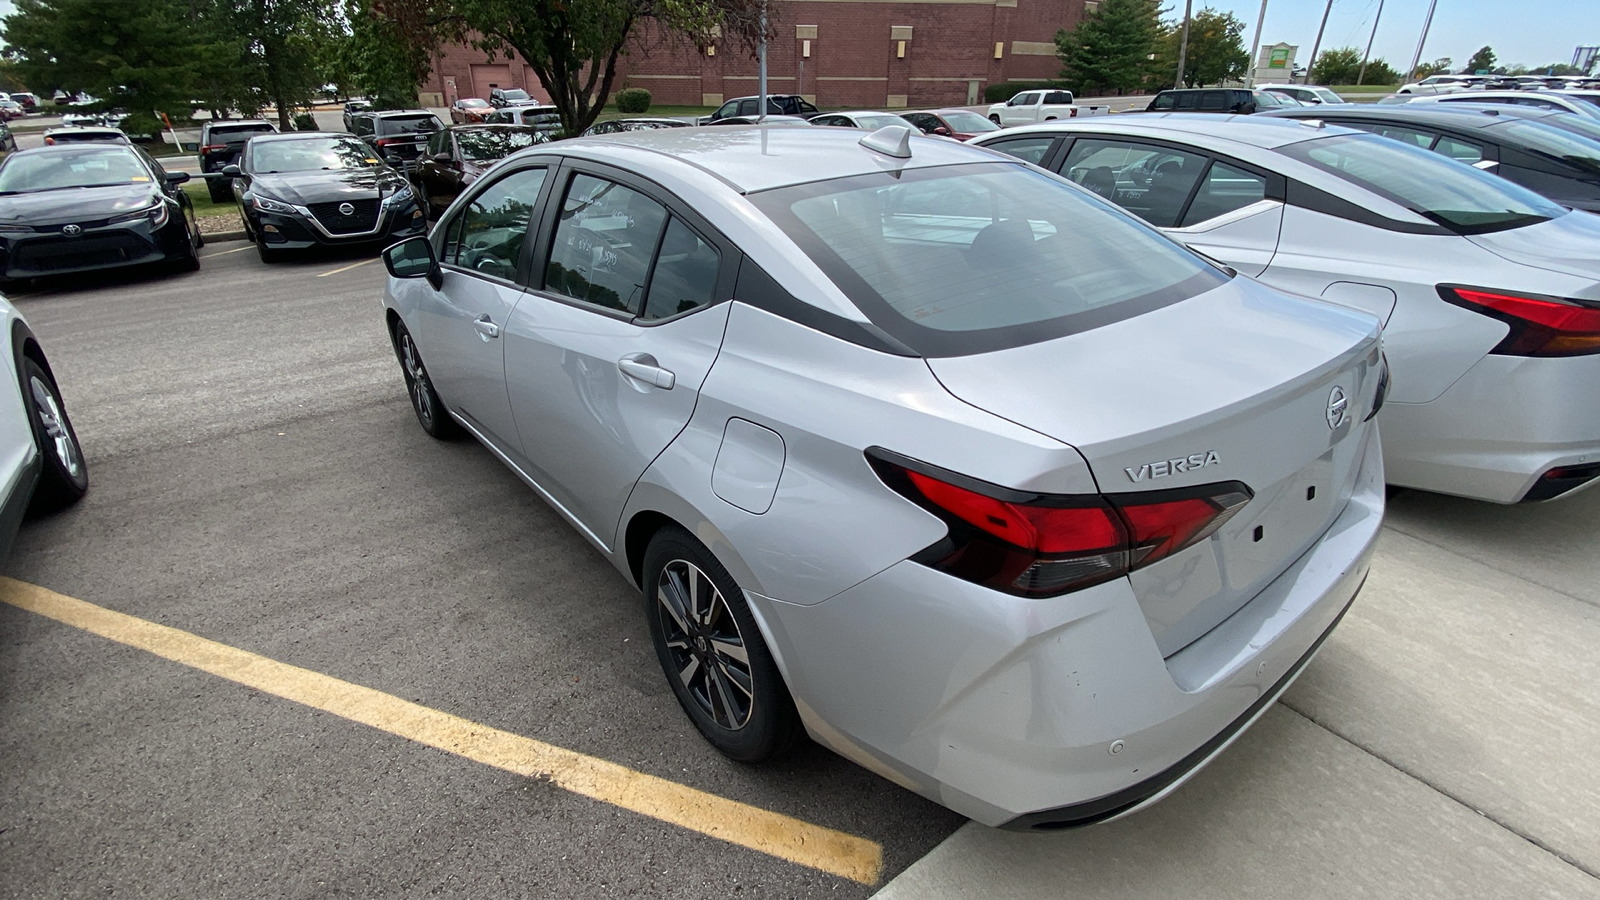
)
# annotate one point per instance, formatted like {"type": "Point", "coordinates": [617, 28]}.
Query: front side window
{"type": "Point", "coordinates": [604, 243]}
{"type": "Point", "coordinates": [488, 235]}
{"type": "Point", "coordinates": [966, 259]}
{"type": "Point", "coordinates": [1165, 101]}
{"type": "Point", "coordinates": [1151, 182]}
{"type": "Point", "coordinates": [1458, 197]}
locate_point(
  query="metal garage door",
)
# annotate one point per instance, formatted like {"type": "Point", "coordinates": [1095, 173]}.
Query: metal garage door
{"type": "Point", "coordinates": [485, 77]}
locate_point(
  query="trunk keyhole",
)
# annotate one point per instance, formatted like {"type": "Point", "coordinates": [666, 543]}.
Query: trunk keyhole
{"type": "Point", "coordinates": [1258, 534]}
{"type": "Point", "coordinates": [1311, 492]}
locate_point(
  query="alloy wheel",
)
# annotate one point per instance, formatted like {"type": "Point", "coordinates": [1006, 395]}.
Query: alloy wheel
{"type": "Point", "coordinates": [704, 642]}
{"type": "Point", "coordinates": [416, 380]}
{"type": "Point", "coordinates": [54, 424]}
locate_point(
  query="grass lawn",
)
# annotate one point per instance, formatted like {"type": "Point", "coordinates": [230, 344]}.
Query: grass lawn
{"type": "Point", "coordinates": [203, 206]}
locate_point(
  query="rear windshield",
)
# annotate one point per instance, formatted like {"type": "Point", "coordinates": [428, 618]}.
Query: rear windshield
{"type": "Point", "coordinates": [1455, 195]}
{"type": "Point", "coordinates": [102, 137]}
{"type": "Point", "coordinates": [966, 259]}
{"type": "Point", "coordinates": [515, 94]}
{"type": "Point", "coordinates": [482, 146]}
{"type": "Point", "coordinates": [239, 132]}
{"type": "Point", "coordinates": [89, 166]}
{"type": "Point", "coordinates": [397, 124]}
{"type": "Point", "coordinates": [1567, 146]}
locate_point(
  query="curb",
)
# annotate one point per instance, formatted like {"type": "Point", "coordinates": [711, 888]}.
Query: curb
{"type": "Point", "coordinates": [223, 236]}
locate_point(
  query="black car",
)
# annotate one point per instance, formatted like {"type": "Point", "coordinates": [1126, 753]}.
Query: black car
{"type": "Point", "coordinates": [458, 155]}
{"type": "Point", "coordinates": [1541, 150]}
{"type": "Point", "coordinates": [308, 189]}
{"type": "Point", "coordinates": [500, 98]}
{"type": "Point", "coordinates": [397, 135]}
{"type": "Point", "coordinates": [355, 108]}
{"type": "Point", "coordinates": [8, 141]}
{"type": "Point", "coordinates": [221, 143]}
{"type": "Point", "coordinates": [1237, 101]}
{"type": "Point", "coordinates": [750, 107]}
{"type": "Point", "coordinates": [75, 207]}
{"type": "Point", "coordinates": [85, 134]}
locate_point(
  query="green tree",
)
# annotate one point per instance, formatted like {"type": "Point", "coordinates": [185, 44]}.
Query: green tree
{"type": "Point", "coordinates": [141, 57]}
{"type": "Point", "coordinates": [1482, 61]}
{"type": "Point", "coordinates": [282, 51]}
{"type": "Point", "coordinates": [1440, 66]}
{"type": "Point", "coordinates": [383, 58]}
{"type": "Point", "coordinates": [1216, 49]}
{"type": "Point", "coordinates": [1110, 50]}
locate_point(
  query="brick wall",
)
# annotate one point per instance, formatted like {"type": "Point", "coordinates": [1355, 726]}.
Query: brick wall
{"type": "Point", "coordinates": [856, 59]}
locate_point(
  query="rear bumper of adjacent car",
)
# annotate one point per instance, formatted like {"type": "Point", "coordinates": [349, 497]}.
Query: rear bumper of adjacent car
{"type": "Point", "coordinates": [1049, 713]}
{"type": "Point", "coordinates": [1497, 432]}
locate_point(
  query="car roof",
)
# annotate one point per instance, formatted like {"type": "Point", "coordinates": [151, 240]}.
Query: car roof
{"type": "Point", "coordinates": [750, 158]}
{"type": "Point", "coordinates": [1463, 115]}
{"type": "Point", "coordinates": [1266, 132]}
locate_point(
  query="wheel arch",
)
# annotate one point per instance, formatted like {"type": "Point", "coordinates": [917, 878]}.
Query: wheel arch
{"type": "Point", "coordinates": [25, 346]}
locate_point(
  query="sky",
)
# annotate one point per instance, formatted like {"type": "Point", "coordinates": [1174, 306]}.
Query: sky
{"type": "Point", "coordinates": [1530, 32]}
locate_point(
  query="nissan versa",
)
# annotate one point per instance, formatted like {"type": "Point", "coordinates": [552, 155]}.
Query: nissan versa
{"type": "Point", "coordinates": [938, 458]}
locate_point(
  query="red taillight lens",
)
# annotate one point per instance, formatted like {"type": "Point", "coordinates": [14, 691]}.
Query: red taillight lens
{"type": "Point", "coordinates": [212, 148]}
{"type": "Point", "coordinates": [1043, 545]}
{"type": "Point", "coordinates": [1540, 326]}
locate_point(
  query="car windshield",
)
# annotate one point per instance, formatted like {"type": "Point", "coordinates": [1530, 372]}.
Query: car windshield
{"type": "Point", "coordinates": [955, 260]}
{"type": "Point", "coordinates": [1567, 146]}
{"type": "Point", "coordinates": [474, 104]}
{"type": "Point", "coordinates": [483, 146]}
{"type": "Point", "coordinates": [969, 122]}
{"type": "Point", "coordinates": [514, 94]}
{"type": "Point", "coordinates": [1453, 194]}
{"type": "Point", "coordinates": [78, 167]}
{"type": "Point", "coordinates": [309, 155]}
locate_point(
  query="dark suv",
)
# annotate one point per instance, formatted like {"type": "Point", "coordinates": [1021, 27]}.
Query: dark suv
{"type": "Point", "coordinates": [1238, 101]}
{"type": "Point", "coordinates": [221, 143]}
{"type": "Point", "coordinates": [397, 135]}
{"type": "Point", "coordinates": [777, 104]}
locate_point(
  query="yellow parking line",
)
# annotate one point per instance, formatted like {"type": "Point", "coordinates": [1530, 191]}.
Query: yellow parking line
{"type": "Point", "coordinates": [348, 268]}
{"type": "Point", "coordinates": [824, 849]}
{"type": "Point", "coordinates": [226, 252]}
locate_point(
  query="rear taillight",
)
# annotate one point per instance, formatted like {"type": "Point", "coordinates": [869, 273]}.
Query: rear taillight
{"type": "Point", "coordinates": [1540, 326]}
{"type": "Point", "coordinates": [212, 148]}
{"type": "Point", "coordinates": [1039, 545]}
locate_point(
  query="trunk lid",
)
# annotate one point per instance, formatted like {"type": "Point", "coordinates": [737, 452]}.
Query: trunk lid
{"type": "Point", "coordinates": [1233, 385]}
{"type": "Point", "coordinates": [1565, 245]}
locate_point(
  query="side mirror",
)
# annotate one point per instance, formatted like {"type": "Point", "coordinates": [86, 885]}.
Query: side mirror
{"type": "Point", "coordinates": [442, 156]}
{"type": "Point", "coordinates": [413, 258]}
{"type": "Point", "coordinates": [231, 171]}
{"type": "Point", "coordinates": [177, 177]}
{"type": "Point", "coordinates": [942, 130]}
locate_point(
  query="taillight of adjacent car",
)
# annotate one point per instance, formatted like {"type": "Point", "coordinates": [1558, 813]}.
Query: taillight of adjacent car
{"type": "Point", "coordinates": [1540, 326]}
{"type": "Point", "coordinates": [1041, 545]}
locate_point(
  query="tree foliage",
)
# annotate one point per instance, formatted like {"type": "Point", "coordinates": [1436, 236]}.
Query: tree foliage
{"type": "Point", "coordinates": [1110, 49]}
{"type": "Point", "coordinates": [1216, 49]}
{"type": "Point", "coordinates": [1439, 66]}
{"type": "Point", "coordinates": [1482, 61]}
{"type": "Point", "coordinates": [1343, 66]}
{"type": "Point", "coordinates": [388, 53]}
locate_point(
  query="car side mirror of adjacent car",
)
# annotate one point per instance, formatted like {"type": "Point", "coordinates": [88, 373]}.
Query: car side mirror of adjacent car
{"type": "Point", "coordinates": [177, 177]}
{"type": "Point", "coordinates": [231, 171]}
{"type": "Point", "coordinates": [442, 157]}
{"type": "Point", "coordinates": [413, 258]}
{"type": "Point", "coordinates": [941, 130]}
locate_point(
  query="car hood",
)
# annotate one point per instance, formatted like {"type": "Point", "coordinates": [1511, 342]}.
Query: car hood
{"type": "Point", "coordinates": [76, 204]}
{"type": "Point", "coordinates": [303, 188]}
{"type": "Point", "coordinates": [1569, 244]}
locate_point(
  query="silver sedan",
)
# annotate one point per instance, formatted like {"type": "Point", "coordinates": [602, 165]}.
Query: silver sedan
{"type": "Point", "coordinates": [41, 464]}
{"type": "Point", "coordinates": [911, 448]}
{"type": "Point", "coordinates": [1490, 293]}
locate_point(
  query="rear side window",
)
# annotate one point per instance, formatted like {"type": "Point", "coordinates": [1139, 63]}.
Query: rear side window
{"type": "Point", "coordinates": [1223, 190]}
{"type": "Point", "coordinates": [1151, 182]}
{"type": "Point", "coordinates": [487, 236]}
{"type": "Point", "coordinates": [957, 260]}
{"type": "Point", "coordinates": [1188, 100]}
{"type": "Point", "coordinates": [1212, 101]}
{"type": "Point", "coordinates": [1459, 150]}
{"type": "Point", "coordinates": [604, 243]}
{"type": "Point", "coordinates": [685, 274]}
{"type": "Point", "coordinates": [1058, 97]}
{"type": "Point", "coordinates": [1456, 196]}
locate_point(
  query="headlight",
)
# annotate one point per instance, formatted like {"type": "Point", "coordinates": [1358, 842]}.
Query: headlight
{"type": "Point", "coordinates": [267, 204]}
{"type": "Point", "coordinates": [16, 229]}
{"type": "Point", "coordinates": [157, 215]}
{"type": "Point", "coordinates": [398, 197]}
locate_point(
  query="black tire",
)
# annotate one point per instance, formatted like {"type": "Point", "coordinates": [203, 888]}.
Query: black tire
{"type": "Point", "coordinates": [995, 119]}
{"type": "Point", "coordinates": [220, 189]}
{"type": "Point", "coordinates": [741, 706]}
{"type": "Point", "coordinates": [425, 402]}
{"type": "Point", "coordinates": [65, 477]}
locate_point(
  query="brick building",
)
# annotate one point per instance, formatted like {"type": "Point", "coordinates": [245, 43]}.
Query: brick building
{"type": "Point", "coordinates": [866, 53]}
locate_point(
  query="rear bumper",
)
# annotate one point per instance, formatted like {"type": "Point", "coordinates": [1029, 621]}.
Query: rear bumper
{"type": "Point", "coordinates": [1498, 429]}
{"type": "Point", "coordinates": [1054, 712]}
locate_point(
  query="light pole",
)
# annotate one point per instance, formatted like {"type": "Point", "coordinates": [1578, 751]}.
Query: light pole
{"type": "Point", "coordinates": [1363, 73]}
{"type": "Point", "coordinates": [1317, 45]}
{"type": "Point", "coordinates": [1255, 43]}
{"type": "Point", "coordinates": [761, 54]}
{"type": "Point", "coordinates": [1426, 24]}
{"type": "Point", "coordinates": [1183, 45]}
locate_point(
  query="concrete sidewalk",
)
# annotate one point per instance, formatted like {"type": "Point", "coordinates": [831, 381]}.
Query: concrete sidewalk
{"type": "Point", "coordinates": [1442, 745]}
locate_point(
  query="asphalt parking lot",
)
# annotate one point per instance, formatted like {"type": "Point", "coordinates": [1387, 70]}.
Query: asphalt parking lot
{"type": "Point", "coordinates": [387, 669]}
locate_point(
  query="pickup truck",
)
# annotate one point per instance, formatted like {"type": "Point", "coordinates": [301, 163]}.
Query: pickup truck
{"type": "Point", "coordinates": [1030, 107]}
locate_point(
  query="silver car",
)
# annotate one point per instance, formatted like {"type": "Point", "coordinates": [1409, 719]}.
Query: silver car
{"type": "Point", "coordinates": [41, 465]}
{"type": "Point", "coordinates": [981, 483]}
{"type": "Point", "coordinates": [1489, 292]}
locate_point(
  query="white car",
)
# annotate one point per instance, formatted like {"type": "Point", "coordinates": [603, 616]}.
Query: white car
{"type": "Point", "coordinates": [1437, 84]}
{"type": "Point", "coordinates": [1029, 107]}
{"type": "Point", "coordinates": [41, 465]}
{"type": "Point", "coordinates": [1535, 99]}
{"type": "Point", "coordinates": [1490, 293]}
{"type": "Point", "coordinates": [861, 118]}
{"type": "Point", "coordinates": [1309, 94]}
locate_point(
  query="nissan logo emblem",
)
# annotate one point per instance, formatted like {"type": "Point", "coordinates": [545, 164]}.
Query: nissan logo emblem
{"type": "Point", "coordinates": [1338, 404]}
{"type": "Point", "coordinates": [346, 209]}
{"type": "Point", "coordinates": [71, 230]}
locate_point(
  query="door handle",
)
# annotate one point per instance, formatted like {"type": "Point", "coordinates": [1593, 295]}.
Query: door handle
{"type": "Point", "coordinates": [647, 372]}
{"type": "Point", "coordinates": [486, 327]}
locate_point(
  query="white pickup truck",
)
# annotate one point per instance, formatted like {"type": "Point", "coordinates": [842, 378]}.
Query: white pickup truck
{"type": "Point", "coordinates": [1029, 107]}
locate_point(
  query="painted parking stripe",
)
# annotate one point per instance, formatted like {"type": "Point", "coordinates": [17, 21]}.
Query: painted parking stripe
{"type": "Point", "coordinates": [226, 252]}
{"type": "Point", "coordinates": [348, 268]}
{"type": "Point", "coordinates": [814, 846]}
